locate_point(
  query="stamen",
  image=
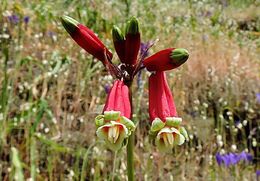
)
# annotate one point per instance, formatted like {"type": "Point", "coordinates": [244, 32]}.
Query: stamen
{"type": "Point", "coordinates": [170, 138]}
{"type": "Point", "coordinates": [165, 140]}
{"type": "Point", "coordinates": [113, 134]}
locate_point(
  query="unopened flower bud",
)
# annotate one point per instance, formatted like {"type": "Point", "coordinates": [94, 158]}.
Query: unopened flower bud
{"type": "Point", "coordinates": [167, 59]}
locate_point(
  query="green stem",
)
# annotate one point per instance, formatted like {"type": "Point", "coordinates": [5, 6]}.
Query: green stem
{"type": "Point", "coordinates": [130, 157]}
{"type": "Point", "coordinates": [114, 166]}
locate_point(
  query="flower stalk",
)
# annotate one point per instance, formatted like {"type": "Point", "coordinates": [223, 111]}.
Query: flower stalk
{"type": "Point", "coordinates": [130, 157]}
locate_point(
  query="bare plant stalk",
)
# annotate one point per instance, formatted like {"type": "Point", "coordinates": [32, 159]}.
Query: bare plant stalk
{"type": "Point", "coordinates": [130, 144]}
{"type": "Point", "coordinates": [114, 166]}
{"type": "Point", "coordinates": [130, 157]}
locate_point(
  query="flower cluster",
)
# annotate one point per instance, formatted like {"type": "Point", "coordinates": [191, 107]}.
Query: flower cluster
{"type": "Point", "coordinates": [233, 158]}
{"type": "Point", "coordinates": [14, 19]}
{"type": "Point", "coordinates": [114, 125]}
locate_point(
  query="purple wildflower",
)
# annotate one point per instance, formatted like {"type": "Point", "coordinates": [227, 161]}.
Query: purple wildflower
{"type": "Point", "coordinates": [219, 159]}
{"type": "Point", "coordinates": [107, 88]}
{"type": "Point", "coordinates": [226, 160]}
{"type": "Point", "coordinates": [13, 19]}
{"type": "Point", "coordinates": [50, 33]}
{"type": "Point", "coordinates": [258, 97]}
{"type": "Point", "coordinates": [257, 174]}
{"type": "Point", "coordinates": [144, 52]}
{"type": "Point", "coordinates": [245, 156]}
{"type": "Point", "coordinates": [144, 49]}
{"type": "Point", "coordinates": [233, 158]}
{"type": "Point", "coordinates": [26, 19]}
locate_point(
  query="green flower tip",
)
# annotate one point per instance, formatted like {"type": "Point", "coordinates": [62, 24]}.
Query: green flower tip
{"type": "Point", "coordinates": [111, 115]}
{"type": "Point", "coordinates": [173, 121]}
{"type": "Point", "coordinates": [69, 24]}
{"type": "Point", "coordinates": [179, 55]}
{"type": "Point", "coordinates": [132, 26]}
{"type": "Point", "coordinates": [157, 125]}
{"type": "Point", "coordinates": [99, 120]}
{"type": "Point", "coordinates": [117, 34]}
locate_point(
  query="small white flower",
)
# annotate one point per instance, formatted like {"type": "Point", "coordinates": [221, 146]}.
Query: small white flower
{"type": "Point", "coordinates": [251, 110]}
{"type": "Point", "coordinates": [44, 62]}
{"type": "Point", "coordinates": [239, 126]}
{"type": "Point", "coordinates": [41, 126]}
{"type": "Point", "coordinates": [254, 142]}
{"type": "Point", "coordinates": [233, 147]}
{"type": "Point", "coordinates": [205, 105]}
{"type": "Point", "coordinates": [81, 120]}
{"type": "Point", "coordinates": [229, 113]}
{"type": "Point", "coordinates": [196, 101]}
{"type": "Point", "coordinates": [5, 36]}
{"type": "Point", "coordinates": [222, 151]}
{"type": "Point", "coordinates": [199, 147]}
{"type": "Point", "coordinates": [92, 171]}
{"type": "Point", "coordinates": [220, 143]}
{"type": "Point", "coordinates": [46, 130]}
{"type": "Point", "coordinates": [72, 173]}
{"type": "Point", "coordinates": [221, 116]}
{"type": "Point", "coordinates": [54, 120]}
{"type": "Point", "coordinates": [7, 13]}
{"type": "Point", "coordinates": [245, 122]}
{"type": "Point", "coordinates": [210, 157]}
{"type": "Point", "coordinates": [191, 136]}
{"type": "Point", "coordinates": [219, 137]}
{"type": "Point", "coordinates": [71, 117]}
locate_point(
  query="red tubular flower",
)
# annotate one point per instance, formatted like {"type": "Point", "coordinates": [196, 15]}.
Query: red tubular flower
{"type": "Point", "coordinates": [161, 104]}
{"type": "Point", "coordinates": [163, 114]}
{"type": "Point", "coordinates": [118, 99]}
{"type": "Point", "coordinates": [166, 59]}
{"type": "Point", "coordinates": [132, 42]}
{"type": "Point", "coordinates": [86, 38]}
{"type": "Point", "coordinates": [114, 125]}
